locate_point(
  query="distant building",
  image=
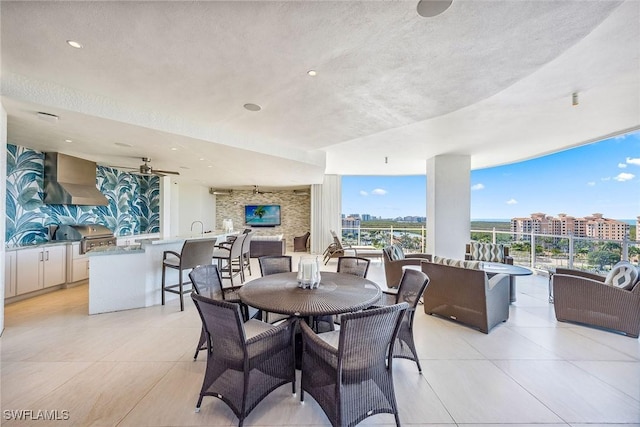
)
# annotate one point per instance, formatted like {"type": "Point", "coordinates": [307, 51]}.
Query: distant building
{"type": "Point", "coordinates": [351, 225]}
{"type": "Point", "coordinates": [594, 226]}
{"type": "Point", "coordinates": [366, 217]}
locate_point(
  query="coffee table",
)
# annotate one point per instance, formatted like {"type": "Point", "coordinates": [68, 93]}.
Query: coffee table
{"type": "Point", "coordinates": [512, 270]}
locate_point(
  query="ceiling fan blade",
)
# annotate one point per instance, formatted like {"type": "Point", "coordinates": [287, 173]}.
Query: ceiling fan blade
{"type": "Point", "coordinates": [161, 172]}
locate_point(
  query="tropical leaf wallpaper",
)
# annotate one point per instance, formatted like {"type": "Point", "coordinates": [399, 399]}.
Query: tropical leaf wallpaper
{"type": "Point", "coordinates": [134, 201]}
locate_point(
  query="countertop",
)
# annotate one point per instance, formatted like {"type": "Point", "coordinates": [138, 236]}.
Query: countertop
{"type": "Point", "coordinates": [116, 250]}
{"type": "Point", "coordinates": [40, 245]}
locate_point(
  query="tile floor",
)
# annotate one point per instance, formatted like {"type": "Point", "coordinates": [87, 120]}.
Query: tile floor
{"type": "Point", "coordinates": [135, 368]}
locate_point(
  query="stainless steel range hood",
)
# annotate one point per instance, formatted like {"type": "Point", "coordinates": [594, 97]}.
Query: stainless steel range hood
{"type": "Point", "coordinates": [70, 180]}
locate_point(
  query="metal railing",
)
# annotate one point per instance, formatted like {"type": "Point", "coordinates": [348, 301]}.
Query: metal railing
{"type": "Point", "coordinates": [551, 251]}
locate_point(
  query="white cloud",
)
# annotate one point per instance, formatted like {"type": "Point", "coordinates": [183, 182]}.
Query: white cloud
{"type": "Point", "coordinates": [363, 193]}
{"type": "Point", "coordinates": [512, 202]}
{"type": "Point", "coordinates": [621, 177]}
{"type": "Point", "coordinates": [608, 178]}
{"type": "Point", "coordinates": [633, 161]}
{"type": "Point", "coordinates": [478, 186]}
{"type": "Point", "coordinates": [622, 165]}
{"type": "Point", "coordinates": [379, 192]}
{"type": "Point", "coordinates": [591, 183]}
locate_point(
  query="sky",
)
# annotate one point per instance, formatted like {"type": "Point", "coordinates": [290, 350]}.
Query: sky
{"type": "Point", "coordinates": [602, 177]}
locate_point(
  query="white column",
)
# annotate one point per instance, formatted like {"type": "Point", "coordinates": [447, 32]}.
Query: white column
{"type": "Point", "coordinates": [3, 198]}
{"type": "Point", "coordinates": [168, 200]}
{"type": "Point", "coordinates": [326, 211]}
{"type": "Point", "coordinates": [448, 205]}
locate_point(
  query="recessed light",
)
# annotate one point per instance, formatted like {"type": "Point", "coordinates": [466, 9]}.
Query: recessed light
{"type": "Point", "coordinates": [210, 166]}
{"type": "Point", "coordinates": [123, 144]}
{"type": "Point", "coordinates": [431, 8]}
{"type": "Point", "coordinates": [74, 44]}
{"type": "Point", "coordinates": [252, 107]}
{"type": "Point", "coordinates": [68, 140]}
{"type": "Point", "coordinates": [174, 149]}
{"type": "Point", "coordinates": [201, 158]}
{"type": "Point", "coordinates": [312, 73]}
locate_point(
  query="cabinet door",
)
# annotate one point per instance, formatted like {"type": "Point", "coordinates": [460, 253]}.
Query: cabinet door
{"type": "Point", "coordinates": [10, 274]}
{"type": "Point", "coordinates": [29, 270]}
{"type": "Point", "coordinates": [55, 265]}
{"type": "Point", "coordinates": [80, 269]}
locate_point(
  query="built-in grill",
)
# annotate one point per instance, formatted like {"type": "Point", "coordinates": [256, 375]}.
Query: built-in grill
{"type": "Point", "coordinates": [90, 235]}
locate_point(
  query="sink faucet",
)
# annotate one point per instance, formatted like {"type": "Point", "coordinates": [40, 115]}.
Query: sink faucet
{"type": "Point", "coordinates": [201, 227]}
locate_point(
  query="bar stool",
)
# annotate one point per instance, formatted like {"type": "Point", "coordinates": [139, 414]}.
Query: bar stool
{"type": "Point", "coordinates": [193, 253]}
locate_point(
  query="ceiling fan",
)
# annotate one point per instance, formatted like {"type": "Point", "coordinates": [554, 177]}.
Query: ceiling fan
{"type": "Point", "coordinates": [146, 169]}
{"type": "Point", "coordinates": [257, 191]}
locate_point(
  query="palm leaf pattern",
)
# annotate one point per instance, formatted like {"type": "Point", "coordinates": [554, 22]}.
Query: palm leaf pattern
{"type": "Point", "coordinates": [134, 201]}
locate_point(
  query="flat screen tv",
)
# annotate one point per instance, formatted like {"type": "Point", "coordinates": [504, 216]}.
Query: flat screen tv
{"type": "Point", "coordinates": [262, 215]}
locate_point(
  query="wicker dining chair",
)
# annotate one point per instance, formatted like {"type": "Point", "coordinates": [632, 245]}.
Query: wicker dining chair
{"type": "Point", "coordinates": [346, 265]}
{"type": "Point", "coordinates": [349, 372]}
{"type": "Point", "coordinates": [207, 282]}
{"type": "Point", "coordinates": [274, 264]}
{"type": "Point", "coordinates": [412, 286]}
{"type": "Point", "coordinates": [357, 266]}
{"type": "Point", "coordinates": [256, 357]}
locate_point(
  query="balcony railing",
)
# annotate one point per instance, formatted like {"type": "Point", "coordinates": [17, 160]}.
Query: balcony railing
{"type": "Point", "coordinates": [551, 251]}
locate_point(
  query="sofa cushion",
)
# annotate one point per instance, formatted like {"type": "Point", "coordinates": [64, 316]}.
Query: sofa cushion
{"type": "Point", "coordinates": [269, 238]}
{"type": "Point", "coordinates": [623, 275]}
{"type": "Point", "coordinates": [490, 252]}
{"type": "Point", "coordinates": [394, 252]}
{"type": "Point", "coordinates": [472, 265]}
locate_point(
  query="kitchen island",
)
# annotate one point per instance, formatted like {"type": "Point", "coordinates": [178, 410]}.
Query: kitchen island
{"type": "Point", "coordinates": [126, 277]}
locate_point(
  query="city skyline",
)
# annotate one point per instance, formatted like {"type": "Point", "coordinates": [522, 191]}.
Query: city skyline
{"type": "Point", "coordinates": [601, 177]}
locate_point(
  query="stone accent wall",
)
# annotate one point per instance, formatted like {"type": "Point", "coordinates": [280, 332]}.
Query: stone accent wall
{"type": "Point", "coordinates": [295, 212]}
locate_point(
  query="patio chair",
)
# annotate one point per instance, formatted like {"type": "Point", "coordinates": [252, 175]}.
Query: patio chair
{"type": "Point", "coordinates": [207, 282]}
{"type": "Point", "coordinates": [353, 265]}
{"type": "Point", "coordinates": [349, 372]}
{"type": "Point", "coordinates": [256, 357]}
{"type": "Point", "coordinates": [300, 243]}
{"type": "Point", "coordinates": [274, 264]}
{"type": "Point", "coordinates": [599, 301]}
{"type": "Point", "coordinates": [230, 252]}
{"type": "Point", "coordinates": [193, 253]}
{"type": "Point", "coordinates": [411, 289]}
{"type": "Point", "coordinates": [394, 259]}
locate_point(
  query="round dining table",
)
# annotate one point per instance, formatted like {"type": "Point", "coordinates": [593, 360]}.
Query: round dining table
{"type": "Point", "coordinates": [336, 294]}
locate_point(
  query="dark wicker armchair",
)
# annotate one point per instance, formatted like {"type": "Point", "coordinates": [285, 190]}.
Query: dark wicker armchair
{"type": "Point", "coordinates": [584, 298]}
{"type": "Point", "coordinates": [394, 259]}
{"type": "Point", "coordinates": [274, 264]}
{"type": "Point", "coordinates": [207, 282]}
{"type": "Point", "coordinates": [300, 242]}
{"type": "Point", "coordinates": [466, 295]}
{"type": "Point", "coordinates": [255, 358]}
{"type": "Point", "coordinates": [349, 372]}
{"type": "Point", "coordinates": [353, 265]}
{"type": "Point", "coordinates": [412, 286]}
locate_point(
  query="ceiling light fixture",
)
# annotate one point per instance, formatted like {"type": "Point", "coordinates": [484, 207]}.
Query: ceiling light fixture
{"type": "Point", "coordinates": [431, 8]}
{"type": "Point", "coordinates": [574, 99]}
{"type": "Point", "coordinates": [312, 73]}
{"type": "Point", "coordinates": [174, 149]}
{"type": "Point", "coordinates": [252, 107]}
{"type": "Point", "coordinates": [220, 192]}
{"type": "Point", "coordinates": [68, 140]}
{"type": "Point", "coordinates": [74, 44]}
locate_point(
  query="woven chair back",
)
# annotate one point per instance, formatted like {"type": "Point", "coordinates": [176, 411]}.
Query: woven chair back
{"type": "Point", "coordinates": [207, 282]}
{"type": "Point", "coordinates": [412, 286]}
{"type": "Point", "coordinates": [273, 264]}
{"type": "Point", "coordinates": [353, 265]}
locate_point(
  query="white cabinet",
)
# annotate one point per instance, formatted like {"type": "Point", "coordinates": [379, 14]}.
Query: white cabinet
{"type": "Point", "coordinates": [10, 274]}
{"type": "Point", "coordinates": [78, 264]}
{"type": "Point", "coordinates": [39, 268]}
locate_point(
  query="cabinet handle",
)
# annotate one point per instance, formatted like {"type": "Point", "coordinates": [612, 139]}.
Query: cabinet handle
{"type": "Point", "coordinates": [41, 256]}
{"type": "Point", "coordinates": [47, 259]}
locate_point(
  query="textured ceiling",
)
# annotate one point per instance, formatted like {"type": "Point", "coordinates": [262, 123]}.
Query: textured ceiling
{"type": "Point", "coordinates": [491, 79]}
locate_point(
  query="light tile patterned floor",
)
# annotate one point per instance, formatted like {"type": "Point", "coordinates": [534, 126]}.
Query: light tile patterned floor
{"type": "Point", "coordinates": [135, 368]}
